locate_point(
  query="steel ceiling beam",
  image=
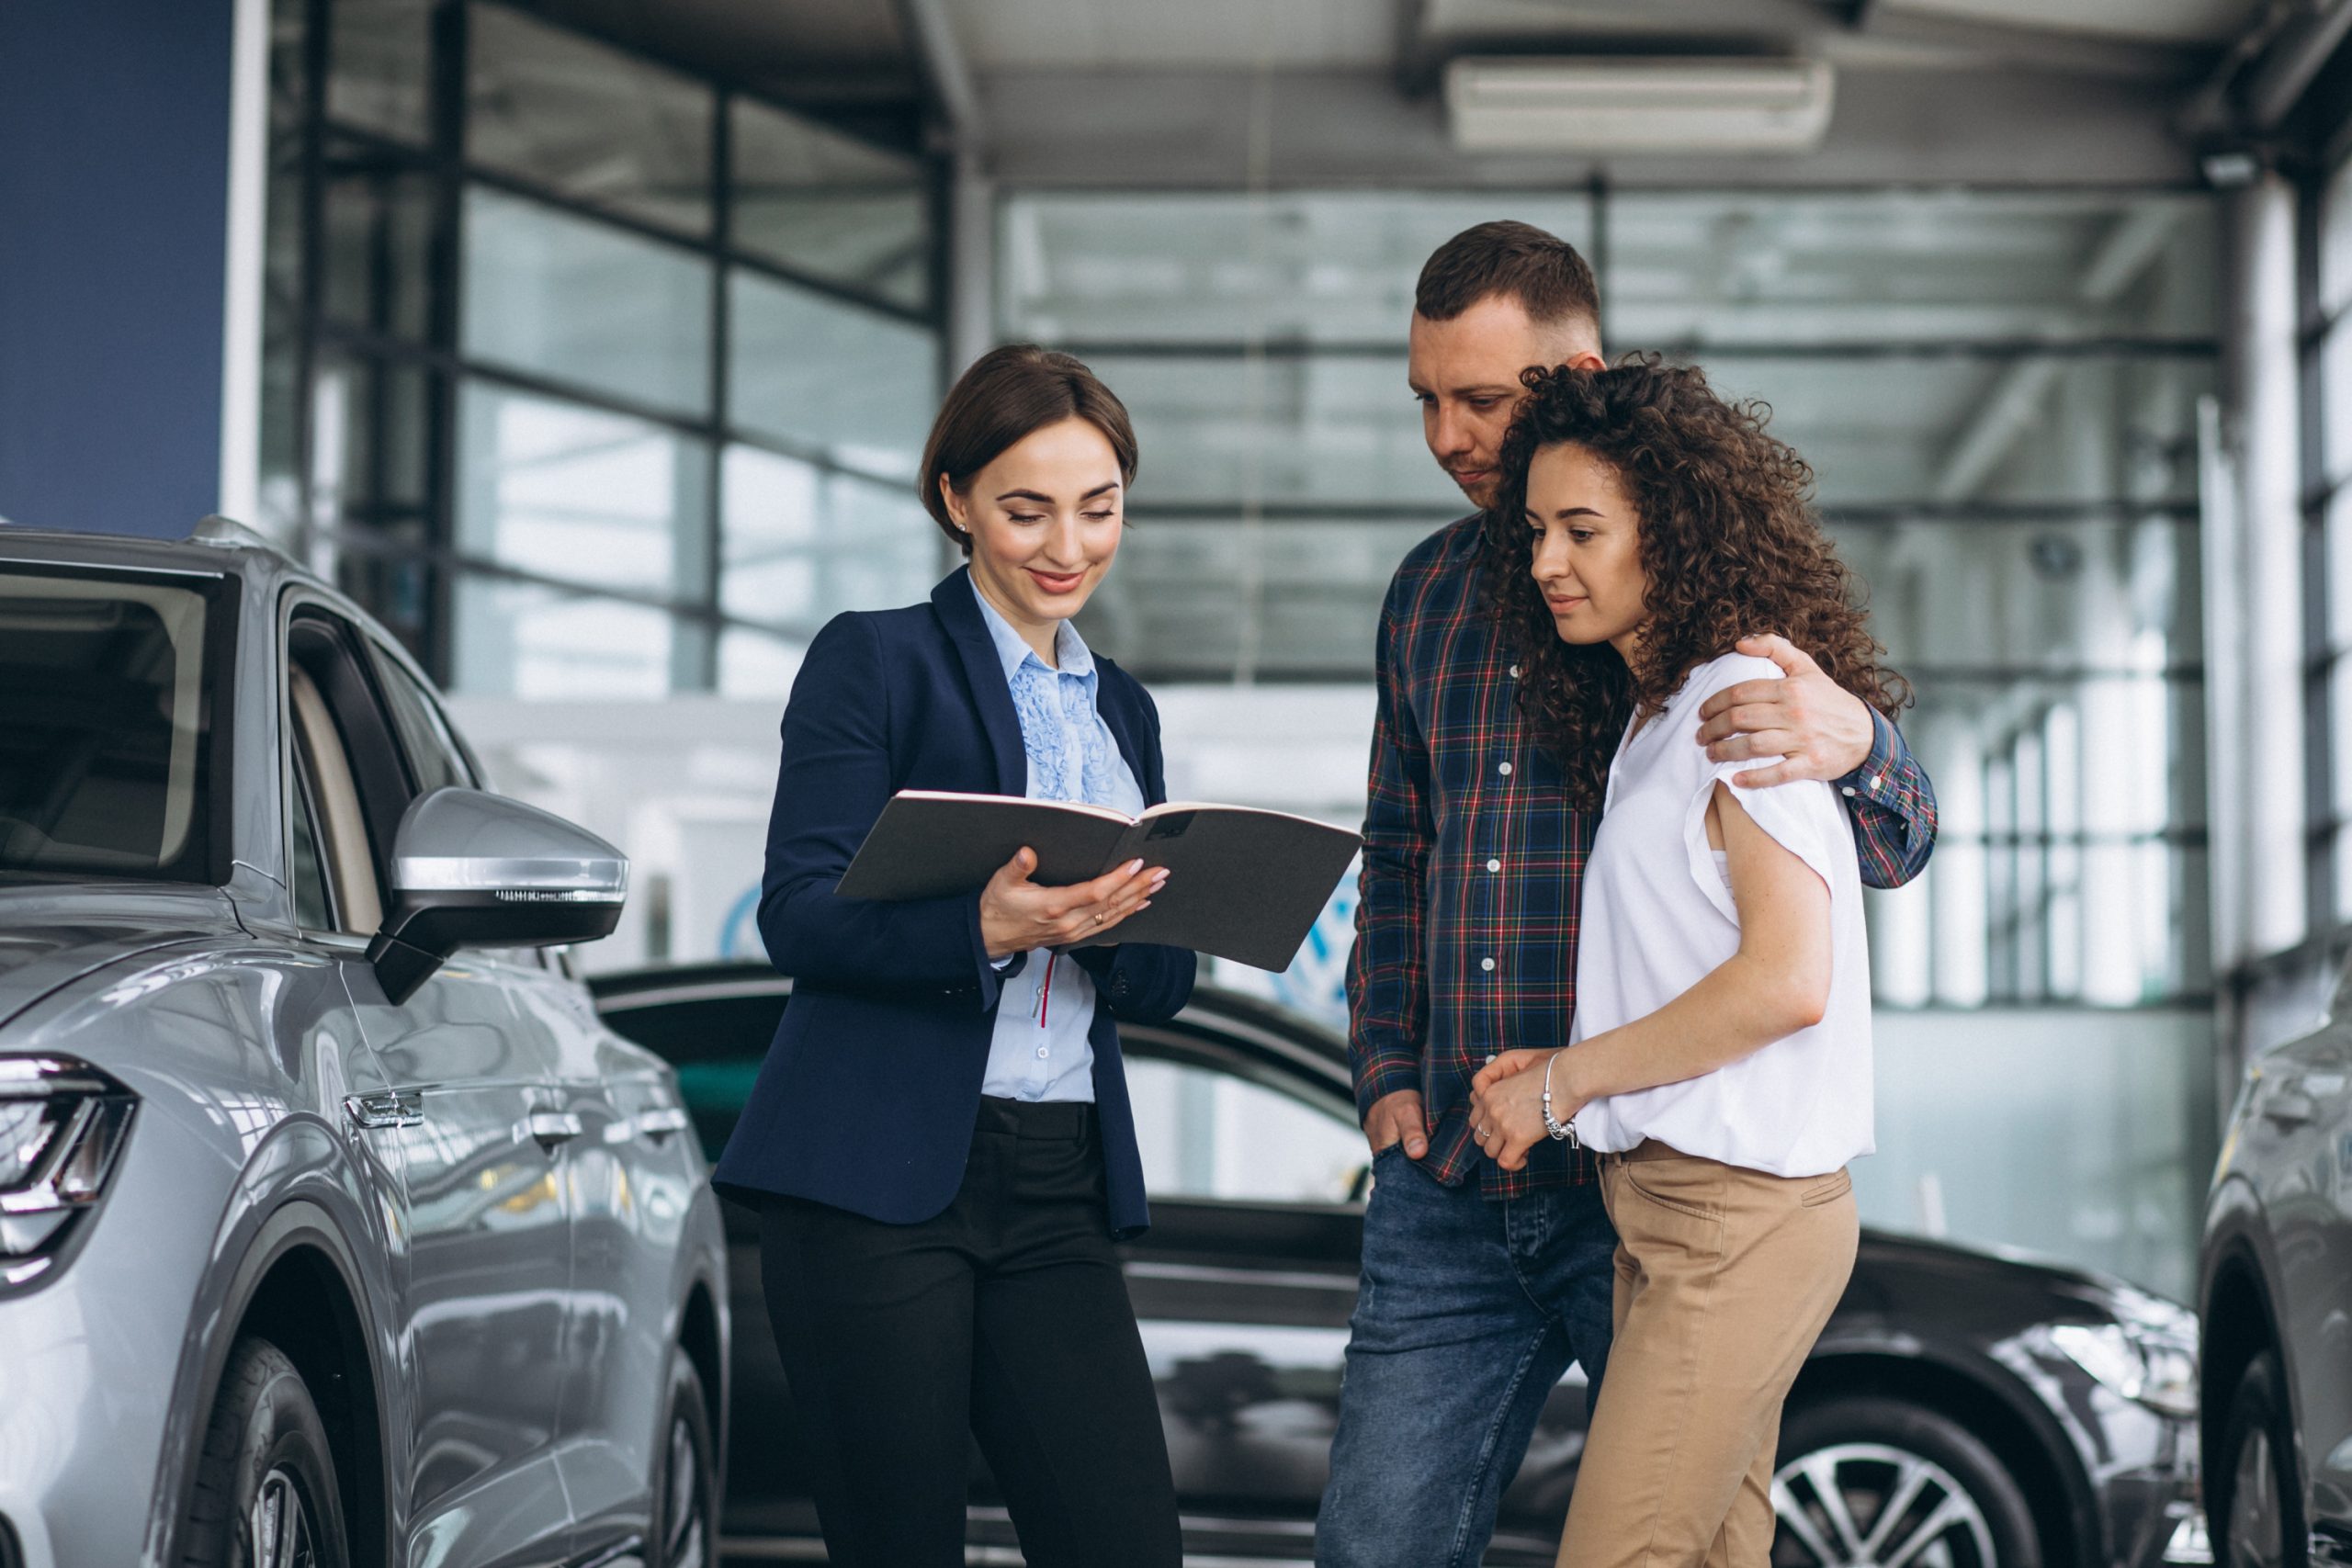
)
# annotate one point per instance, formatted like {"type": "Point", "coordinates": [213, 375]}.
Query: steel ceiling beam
{"type": "Point", "coordinates": [945, 66]}
{"type": "Point", "coordinates": [2278, 80]}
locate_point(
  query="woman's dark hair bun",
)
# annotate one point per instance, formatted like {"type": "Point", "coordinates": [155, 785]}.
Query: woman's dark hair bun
{"type": "Point", "coordinates": [1007, 394]}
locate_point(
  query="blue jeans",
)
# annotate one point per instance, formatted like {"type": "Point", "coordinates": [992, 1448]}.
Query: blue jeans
{"type": "Point", "coordinates": [1469, 1312]}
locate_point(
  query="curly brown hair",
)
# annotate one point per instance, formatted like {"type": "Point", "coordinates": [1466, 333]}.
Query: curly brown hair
{"type": "Point", "coordinates": [1728, 540]}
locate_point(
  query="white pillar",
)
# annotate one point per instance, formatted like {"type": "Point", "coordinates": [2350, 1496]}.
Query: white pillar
{"type": "Point", "coordinates": [971, 279]}
{"type": "Point", "coordinates": [971, 264]}
{"type": "Point", "coordinates": [2255, 623]}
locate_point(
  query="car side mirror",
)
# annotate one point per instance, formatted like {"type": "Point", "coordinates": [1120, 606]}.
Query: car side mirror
{"type": "Point", "coordinates": [472, 869]}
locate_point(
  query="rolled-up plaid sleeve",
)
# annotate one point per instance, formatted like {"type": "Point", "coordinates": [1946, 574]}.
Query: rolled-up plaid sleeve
{"type": "Point", "coordinates": [1893, 807]}
{"type": "Point", "coordinates": [1387, 974]}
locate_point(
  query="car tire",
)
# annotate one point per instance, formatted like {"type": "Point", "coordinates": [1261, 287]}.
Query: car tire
{"type": "Point", "coordinates": [686, 1475]}
{"type": "Point", "coordinates": [265, 1494]}
{"type": "Point", "coordinates": [2256, 1502]}
{"type": "Point", "coordinates": [1842, 1461]}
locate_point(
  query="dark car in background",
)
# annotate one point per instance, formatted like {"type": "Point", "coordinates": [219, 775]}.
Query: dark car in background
{"type": "Point", "coordinates": [1962, 1411]}
{"type": "Point", "coordinates": [2276, 1289]}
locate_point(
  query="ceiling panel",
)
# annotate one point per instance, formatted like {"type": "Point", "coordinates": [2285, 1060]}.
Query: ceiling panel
{"type": "Point", "coordinates": [847, 52]}
{"type": "Point", "coordinates": [2187, 21]}
{"type": "Point", "coordinates": [1026, 35]}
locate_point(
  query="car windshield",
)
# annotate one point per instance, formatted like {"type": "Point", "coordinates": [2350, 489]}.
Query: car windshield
{"type": "Point", "coordinates": [103, 726]}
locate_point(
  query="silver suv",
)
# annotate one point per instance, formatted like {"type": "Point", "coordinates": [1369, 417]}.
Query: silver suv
{"type": "Point", "coordinates": [334, 1228]}
{"type": "Point", "coordinates": [2276, 1289]}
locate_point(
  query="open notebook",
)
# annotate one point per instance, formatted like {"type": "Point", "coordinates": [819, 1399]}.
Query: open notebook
{"type": "Point", "coordinates": [1243, 883]}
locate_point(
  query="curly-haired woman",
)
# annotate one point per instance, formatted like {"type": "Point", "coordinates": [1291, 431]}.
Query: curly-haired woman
{"type": "Point", "coordinates": [1721, 1053]}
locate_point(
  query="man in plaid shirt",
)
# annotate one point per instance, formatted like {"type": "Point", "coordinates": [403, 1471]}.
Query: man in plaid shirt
{"type": "Point", "coordinates": [1480, 1286]}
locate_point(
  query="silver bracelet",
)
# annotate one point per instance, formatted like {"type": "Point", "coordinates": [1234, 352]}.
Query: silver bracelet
{"type": "Point", "coordinates": [1552, 1124]}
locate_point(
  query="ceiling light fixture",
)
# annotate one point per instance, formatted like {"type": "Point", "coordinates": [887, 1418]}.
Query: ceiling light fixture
{"type": "Point", "coordinates": [1603, 105]}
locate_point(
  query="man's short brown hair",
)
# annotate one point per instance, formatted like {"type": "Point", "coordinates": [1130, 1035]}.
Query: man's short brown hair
{"type": "Point", "coordinates": [1542, 271]}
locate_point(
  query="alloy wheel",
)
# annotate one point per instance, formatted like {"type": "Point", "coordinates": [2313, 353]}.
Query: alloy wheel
{"type": "Point", "coordinates": [2258, 1537]}
{"type": "Point", "coordinates": [1874, 1506]}
{"type": "Point", "coordinates": [280, 1523]}
{"type": "Point", "coordinates": [683, 1545]}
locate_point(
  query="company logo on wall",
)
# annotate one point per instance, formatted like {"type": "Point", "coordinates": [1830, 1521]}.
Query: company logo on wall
{"type": "Point", "coordinates": [738, 934]}
{"type": "Point", "coordinates": [1316, 984]}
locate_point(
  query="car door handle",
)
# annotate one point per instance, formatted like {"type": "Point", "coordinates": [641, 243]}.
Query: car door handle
{"type": "Point", "coordinates": [552, 1127]}
{"type": "Point", "coordinates": [387, 1109]}
{"type": "Point", "coordinates": [659, 1125]}
{"type": "Point", "coordinates": [2286, 1105]}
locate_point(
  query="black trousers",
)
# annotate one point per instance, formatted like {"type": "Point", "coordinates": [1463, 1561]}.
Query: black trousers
{"type": "Point", "coordinates": [1004, 1318]}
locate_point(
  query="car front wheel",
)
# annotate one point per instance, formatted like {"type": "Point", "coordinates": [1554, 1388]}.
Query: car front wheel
{"type": "Point", "coordinates": [2258, 1508]}
{"type": "Point", "coordinates": [1867, 1480]}
{"type": "Point", "coordinates": [685, 1482]}
{"type": "Point", "coordinates": [265, 1492]}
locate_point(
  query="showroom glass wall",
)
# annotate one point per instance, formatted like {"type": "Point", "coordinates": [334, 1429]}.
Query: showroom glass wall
{"type": "Point", "coordinates": [1996, 389]}
{"type": "Point", "coordinates": [589, 377]}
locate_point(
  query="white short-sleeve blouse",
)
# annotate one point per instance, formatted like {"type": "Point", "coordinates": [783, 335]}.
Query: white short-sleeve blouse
{"type": "Point", "coordinates": [1658, 916]}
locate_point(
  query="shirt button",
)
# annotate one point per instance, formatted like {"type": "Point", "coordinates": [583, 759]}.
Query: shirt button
{"type": "Point", "coordinates": [1514, 671]}
{"type": "Point", "coordinates": [1848, 789]}
{"type": "Point", "coordinates": [1504, 769]}
{"type": "Point", "coordinates": [1488, 965]}
{"type": "Point", "coordinates": [1878, 781]}
{"type": "Point", "coordinates": [1041, 1050]}
{"type": "Point", "coordinates": [1494, 866]}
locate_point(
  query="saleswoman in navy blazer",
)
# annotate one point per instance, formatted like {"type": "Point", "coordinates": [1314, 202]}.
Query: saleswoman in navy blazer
{"type": "Point", "coordinates": [940, 1141]}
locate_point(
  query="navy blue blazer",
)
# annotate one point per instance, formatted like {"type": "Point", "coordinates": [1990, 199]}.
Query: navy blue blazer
{"type": "Point", "coordinates": [872, 1086]}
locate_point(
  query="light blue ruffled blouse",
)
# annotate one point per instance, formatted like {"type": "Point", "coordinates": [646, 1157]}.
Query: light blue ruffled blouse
{"type": "Point", "coordinates": [1072, 756]}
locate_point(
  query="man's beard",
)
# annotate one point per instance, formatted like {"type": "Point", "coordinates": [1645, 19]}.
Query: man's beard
{"type": "Point", "coordinates": [1480, 498]}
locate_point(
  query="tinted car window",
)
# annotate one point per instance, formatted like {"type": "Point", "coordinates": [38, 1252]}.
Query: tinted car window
{"type": "Point", "coordinates": [343, 744]}
{"type": "Point", "coordinates": [715, 1043]}
{"type": "Point", "coordinates": [1205, 1132]}
{"type": "Point", "coordinates": [310, 912]}
{"type": "Point", "coordinates": [432, 754]}
{"type": "Point", "coordinates": [106, 727]}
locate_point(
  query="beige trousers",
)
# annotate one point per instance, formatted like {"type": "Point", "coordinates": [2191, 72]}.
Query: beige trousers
{"type": "Point", "coordinates": [1725, 1279]}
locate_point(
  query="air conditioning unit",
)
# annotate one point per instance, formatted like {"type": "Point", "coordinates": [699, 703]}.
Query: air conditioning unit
{"type": "Point", "coordinates": [1600, 104]}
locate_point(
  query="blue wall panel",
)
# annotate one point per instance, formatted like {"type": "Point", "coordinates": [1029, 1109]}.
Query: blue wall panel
{"type": "Point", "coordinates": [114, 189]}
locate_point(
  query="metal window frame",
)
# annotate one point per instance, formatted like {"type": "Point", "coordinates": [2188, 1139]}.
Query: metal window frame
{"type": "Point", "coordinates": [2316, 327]}
{"type": "Point", "coordinates": [1600, 195]}
{"type": "Point", "coordinates": [378, 349]}
{"type": "Point", "coordinates": [2004, 928]}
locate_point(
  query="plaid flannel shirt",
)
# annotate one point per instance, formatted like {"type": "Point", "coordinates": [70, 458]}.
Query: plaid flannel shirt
{"type": "Point", "coordinates": [1473, 860]}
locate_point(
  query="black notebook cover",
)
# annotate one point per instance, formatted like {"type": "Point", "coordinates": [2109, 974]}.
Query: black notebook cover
{"type": "Point", "coordinates": [1243, 883]}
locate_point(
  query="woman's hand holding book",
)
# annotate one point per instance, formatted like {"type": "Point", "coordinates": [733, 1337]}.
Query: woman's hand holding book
{"type": "Point", "coordinates": [1017, 914]}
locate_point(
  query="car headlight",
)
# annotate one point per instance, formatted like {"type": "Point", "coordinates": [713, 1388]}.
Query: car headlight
{"type": "Point", "coordinates": [2148, 1355]}
{"type": "Point", "coordinates": [61, 1124]}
